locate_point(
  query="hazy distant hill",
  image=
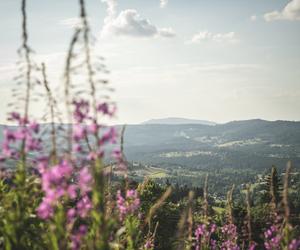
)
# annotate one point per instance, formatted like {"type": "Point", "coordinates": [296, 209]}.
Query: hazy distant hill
{"type": "Point", "coordinates": [177, 121]}
{"type": "Point", "coordinates": [250, 144]}
{"type": "Point", "coordinates": [255, 144]}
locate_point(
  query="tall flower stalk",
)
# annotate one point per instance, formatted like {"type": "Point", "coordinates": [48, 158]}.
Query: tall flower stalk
{"type": "Point", "coordinates": [26, 50]}
{"type": "Point", "coordinates": [230, 217]}
{"type": "Point", "coordinates": [249, 218]}
{"type": "Point", "coordinates": [52, 104]}
{"type": "Point", "coordinates": [205, 198]}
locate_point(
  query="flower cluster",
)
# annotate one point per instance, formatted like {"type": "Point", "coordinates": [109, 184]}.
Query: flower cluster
{"type": "Point", "coordinates": [272, 238]}
{"type": "Point", "coordinates": [24, 134]}
{"type": "Point", "coordinates": [107, 109]}
{"type": "Point", "coordinates": [230, 237]}
{"type": "Point", "coordinates": [252, 246]}
{"type": "Point", "coordinates": [76, 238]}
{"type": "Point", "coordinates": [86, 125]}
{"type": "Point", "coordinates": [62, 183]}
{"type": "Point", "coordinates": [294, 245]}
{"type": "Point", "coordinates": [118, 156]}
{"type": "Point", "coordinates": [57, 183]}
{"type": "Point", "coordinates": [149, 244]}
{"type": "Point", "coordinates": [129, 204]}
{"type": "Point", "coordinates": [203, 236]}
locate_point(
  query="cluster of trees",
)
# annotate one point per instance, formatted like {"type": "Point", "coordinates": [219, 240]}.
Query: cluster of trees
{"type": "Point", "coordinates": [168, 204]}
{"type": "Point", "coordinates": [266, 195]}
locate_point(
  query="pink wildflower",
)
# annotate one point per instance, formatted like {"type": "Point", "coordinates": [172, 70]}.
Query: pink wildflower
{"type": "Point", "coordinates": [110, 136]}
{"type": "Point", "coordinates": [203, 236]}
{"type": "Point", "coordinates": [45, 210]}
{"type": "Point", "coordinates": [79, 132]}
{"type": "Point", "coordinates": [81, 110]}
{"type": "Point", "coordinates": [72, 191]}
{"type": "Point", "coordinates": [106, 109]}
{"type": "Point", "coordinates": [149, 244]}
{"type": "Point", "coordinates": [23, 133]}
{"type": "Point", "coordinates": [272, 238]}
{"type": "Point", "coordinates": [84, 206]}
{"type": "Point", "coordinates": [34, 126]}
{"type": "Point", "coordinates": [129, 205]}
{"type": "Point", "coordinates": [294, 245]}
{"type": "Point", "coordinates": [230, 237]}
{"type": "Point", "coordinates": [84, 180]}
{"type": "Point", "coordinates": [56, 184]}
{"type": "Point", "coordinates": [77, 237]}
{"type": "Point", "coordinates": [71, 214]}
{"type": "Point", "coordinates": [93, 128]}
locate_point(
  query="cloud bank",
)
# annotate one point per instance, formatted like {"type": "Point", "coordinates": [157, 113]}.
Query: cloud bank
{"type": "Point", "coordinates": [163, 3]}
{"type": "Point", "coordinates": [253, 18]}
{"type": "Point", "coordinates": [206, 36]}
{"type": "Point", "coordinates": [290, 12]}
{"type": "Point", "coordinates": [130, 23]}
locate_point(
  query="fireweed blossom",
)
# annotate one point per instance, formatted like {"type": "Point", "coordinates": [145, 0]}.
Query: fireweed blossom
{"type": "Point", "coordinates": [272, 238]}
{"type": "Point", "coordinates": [84, 205]}
{"type": "Point", "coordinates": [86, 127]}
{"type": "Point", "coordinates": [294, 245]}
{"type": "Point", "coordinates": [149, 244]}
{"type": "Point", "coordinates": [81, 112]}
{"type": "Point", "coordinates": [77, 236]}
{"type": "Point", "coordinates": [252, 246]}
{"type": "Point", "coordinates": [26, 132]}
{"type": "Point", "coordinates": [58, 184]}
{"type": "Point", "coordinates": [55, 184]}
{"type": "Point", "coordinates": [65, 182]}
{"type": "Point", "coordinates": [107, 109]}
{"type": "Point", "coordinates": [203, 236]}
{"type": "Point", "coordinates": [230, 237]}
{"type": "Point", "coordinates": [118, 156]}
{"type": "Point", "coordinates": [128, 205]}
{"type": "Point", "coordinates": [84, 180]}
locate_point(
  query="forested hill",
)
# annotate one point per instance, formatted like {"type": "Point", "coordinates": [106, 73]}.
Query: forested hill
{"type": "Point", "coordinates": [255, 144]}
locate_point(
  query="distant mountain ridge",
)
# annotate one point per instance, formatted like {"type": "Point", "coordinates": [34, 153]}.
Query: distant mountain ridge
{"type": "Point", "coordinates": [249, 144]}
{"type": "Point", "coordinates": [178, 121]}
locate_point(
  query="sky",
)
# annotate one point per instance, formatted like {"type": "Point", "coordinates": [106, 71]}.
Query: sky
{"type": "Point", "coordinates": [202, 59]}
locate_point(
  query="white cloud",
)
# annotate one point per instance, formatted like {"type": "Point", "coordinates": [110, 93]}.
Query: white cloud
{"type": "Point", "coordinates": [111, 9]}
{"type": "Point", "coordinates": [130, 23]}
{"type": "Point", "coordinates": [163, 3]}
{"type": "Point", "coordinates": [290, 12]}
{"type": "Point", "coordinates": [253, 18]}
{"type": "Point", "coordinates": [166, 32]}
{"type": "Point", "coordinates": [206, 36]}
{"type": "Point", "coordinates": [71, 22]}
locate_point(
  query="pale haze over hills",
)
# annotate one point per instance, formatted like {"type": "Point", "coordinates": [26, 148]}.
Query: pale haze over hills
{"type": "Point", "coordinates": [177, 121]}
